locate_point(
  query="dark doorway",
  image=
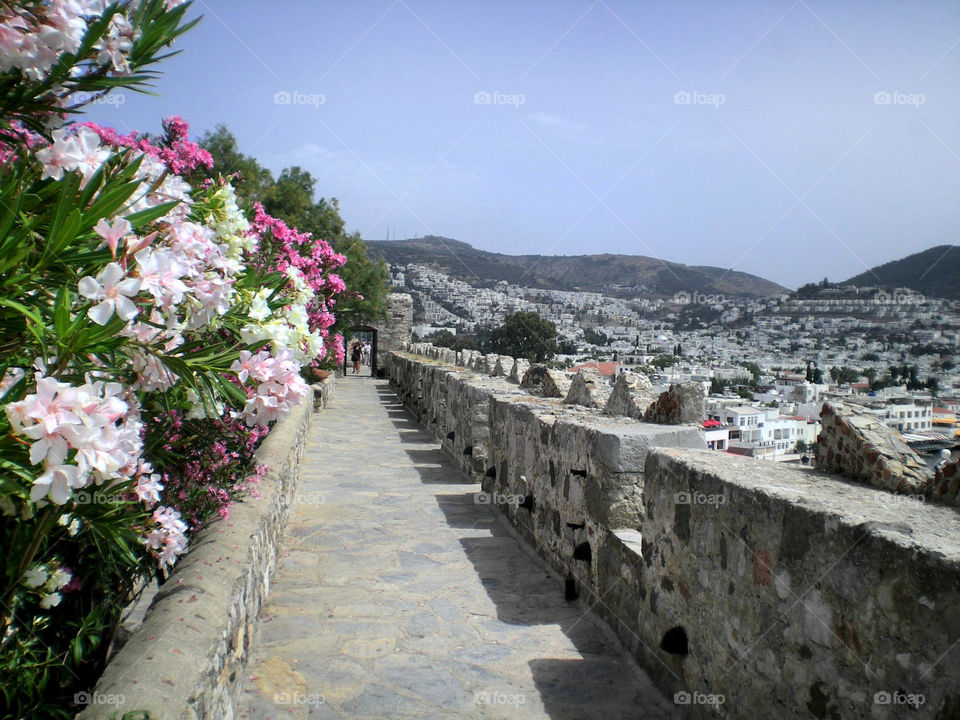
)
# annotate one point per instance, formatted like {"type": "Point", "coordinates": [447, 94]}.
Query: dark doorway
{"type": "Point", "coordinates": [365, 334]}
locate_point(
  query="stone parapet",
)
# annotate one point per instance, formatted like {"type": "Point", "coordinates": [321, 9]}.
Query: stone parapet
{"type": "Point", "coordinates": [785, 592]}
{"type": "Point", "coordinates": [186, 659]}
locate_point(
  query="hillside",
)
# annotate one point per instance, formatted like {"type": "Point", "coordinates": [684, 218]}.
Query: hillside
{"type": "Point", "coordinates": [617, 274]}
{"type": "Point", "coordinates": [934, 272]}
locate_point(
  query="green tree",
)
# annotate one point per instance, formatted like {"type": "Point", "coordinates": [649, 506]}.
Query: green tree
{"type": "Point", "coordinates": [663, 360]}
{"type": "Point", "coordinates": [843, 375]}
{"type": "Point", "coordinates": [254, 180]}
{"type": "Point", "coordinates": [525, 335]}
{"type": "Point", "coordinates": [291, 198]}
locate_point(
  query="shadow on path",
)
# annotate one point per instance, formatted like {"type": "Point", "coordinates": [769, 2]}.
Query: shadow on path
{"type": "Point", "coordinates": [399, 596]}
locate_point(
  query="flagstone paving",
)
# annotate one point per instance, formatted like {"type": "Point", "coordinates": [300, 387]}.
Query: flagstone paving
{"type": "Point", "coordinates": [397, 596]}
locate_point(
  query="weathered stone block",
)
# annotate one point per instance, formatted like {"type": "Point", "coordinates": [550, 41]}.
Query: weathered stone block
{"type": "Point", "coordinates": [588, 388]}
{"type": "Point", "coordinates": [543, 381]}
{"type": "Point", "coordinates": [503, 366]}
{"type": "Point", "coordinates": [681, 403]}
{"type": "Point", "coordinates": [519, 369]}
{"type": "Point", "coordinates": [624, 448]}
{"type": "Point", "coordinates": [631, 396]}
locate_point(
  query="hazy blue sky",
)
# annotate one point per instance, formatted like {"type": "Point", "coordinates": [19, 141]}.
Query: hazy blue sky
{"type": "Point", "coordinates": [801, 171]}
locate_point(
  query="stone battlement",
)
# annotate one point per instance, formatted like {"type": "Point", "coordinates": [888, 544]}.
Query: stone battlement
{"type": "Point", "coordinates": [786, 592]}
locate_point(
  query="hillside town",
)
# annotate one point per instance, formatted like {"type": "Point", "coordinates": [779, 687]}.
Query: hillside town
{"type": "Point", "coordinates": [766, 364]}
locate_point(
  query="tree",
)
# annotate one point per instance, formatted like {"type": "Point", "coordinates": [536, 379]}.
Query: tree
{"type": "Point", "coordinates": [525, 335]}
{"type": "Point", "coordinates": [843, 375]}
{"type": "Point", "coordinates": [445, 338]}
{"type": "Point", "coordinates": [752, 367]}
{"type": "Point", "coordinates": [291, 198]}
{"type": "Point", "coordinates": [663, 360]}
{"type": "Point", "coordinates": [253, 180]}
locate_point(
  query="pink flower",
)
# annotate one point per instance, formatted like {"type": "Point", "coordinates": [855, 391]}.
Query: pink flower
{"type": "Point", "coordinates": [112, 233]}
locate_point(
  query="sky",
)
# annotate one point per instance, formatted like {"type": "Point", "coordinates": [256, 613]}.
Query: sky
{"type": "Point", "coordinates": [792, 139]}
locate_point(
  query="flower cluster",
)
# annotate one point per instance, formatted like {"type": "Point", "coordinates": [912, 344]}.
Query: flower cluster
{"type": "Point", "coordinates": [46, 581]}
{"type": "Point", "coordinates": [69, 151]}
{"type": "Point", "coordinates": [278, 384]}
{"type": "Point", "coordinates": [168, 537]}
{"type": "Point", "coordinates": [172, 284]}
{"type": "Point", "coordinates": [80, 435]}
{"type": "Point", "coordinates": [32, 39]}
{"type": "Point", "coordinates": [178, 152]}
{"type": "Point", "coordinates": [308, 263]}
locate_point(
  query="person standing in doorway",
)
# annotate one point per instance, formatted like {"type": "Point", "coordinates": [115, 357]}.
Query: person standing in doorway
{"type": "Point", "coordinates": [367, 349]}
{"type": "Point", "coordinates": [356, 355]}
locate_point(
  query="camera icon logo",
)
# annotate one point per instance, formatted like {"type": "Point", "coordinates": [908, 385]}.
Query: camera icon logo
{"type": "Point", "coordinates": [682, 498]}
{"type": "Point", "coordinates": [681, 98]}
{"type": "Point", "coordinates": [481, 498]}
{"type": "Point", "coordinates": [281, 97]}
{"type": "Point", "coordinates": [682, 698]}
{"type": "Point", "coordinates": [882, 698]}
{"type": "Point", "coordinates": [81, 698]}
{"type": "Point", "coordinates": [882, 98]}
{"type": "Point", "coordinates": [482, 97]}
{"type": "Point", "coordinates": [682, 298]}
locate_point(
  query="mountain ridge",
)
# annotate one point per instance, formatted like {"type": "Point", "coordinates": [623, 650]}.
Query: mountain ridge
{"type": "Point", "coordinates": [602, 272]}
{"type": "Point", "coordinates": [934, 272]}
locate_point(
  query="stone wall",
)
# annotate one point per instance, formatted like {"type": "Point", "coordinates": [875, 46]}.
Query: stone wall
{"type": "Point", "coordinates": [396, 331]}
{"type": "Point", "coordinates": [784, 591]}
{"type": "Point", "coordinates": [186, 659]}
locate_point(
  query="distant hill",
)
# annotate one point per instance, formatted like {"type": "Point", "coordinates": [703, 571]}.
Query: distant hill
{"type": "Point", "coordinates": [934, 273]}
{"type": "Point", "coordinates": [614, 274]}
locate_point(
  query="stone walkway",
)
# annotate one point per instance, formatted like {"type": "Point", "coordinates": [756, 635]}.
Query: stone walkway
{"type": "Point", "coordinates": [399, 597]}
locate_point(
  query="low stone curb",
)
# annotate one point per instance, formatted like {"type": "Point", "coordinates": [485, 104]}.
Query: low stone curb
{"type": "Point", "coordinates": [186, 660]}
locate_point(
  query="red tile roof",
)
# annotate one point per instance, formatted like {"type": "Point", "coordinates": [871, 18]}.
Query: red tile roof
{"type": "Point", "coordinates": [608, 369]}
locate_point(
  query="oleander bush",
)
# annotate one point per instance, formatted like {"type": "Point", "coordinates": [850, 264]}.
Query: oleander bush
{"type": "Point", "coordinates": [151, 332]}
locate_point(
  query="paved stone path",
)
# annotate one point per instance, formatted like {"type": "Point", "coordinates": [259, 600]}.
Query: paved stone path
{"type": "Point", "coordinates": [397, 596]}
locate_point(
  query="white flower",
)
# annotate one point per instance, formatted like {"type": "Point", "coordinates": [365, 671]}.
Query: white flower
{"type": "Point", "coordinates": [259, 309]}
{"type": "Point", "coordinates": [35, 576]}
{"type": "Point", "coordinates": [51, 600]}
{"type": "Point", "coordinates": [63, 154]}
{"type": "Point", "coordinates": [58, 579]}
{"type": "Point", "coordinates": [114, 290]}
{"type": "Point", "coordinates": [71, 523]}
{"type": "Point", "coordinates": [58, 482]}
